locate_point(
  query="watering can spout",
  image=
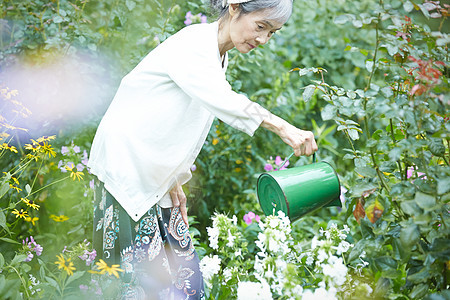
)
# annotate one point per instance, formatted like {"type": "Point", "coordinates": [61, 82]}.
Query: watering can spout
{"type": "Point", "coordinates": [335, 202]}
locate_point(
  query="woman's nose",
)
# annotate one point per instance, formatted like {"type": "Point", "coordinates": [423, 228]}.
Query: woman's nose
{"type": "Point", "coordinates": [262, 39]}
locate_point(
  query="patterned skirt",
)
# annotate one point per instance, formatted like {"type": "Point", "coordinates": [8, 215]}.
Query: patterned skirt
{"type": "Point", "coordinates": [156, 253]}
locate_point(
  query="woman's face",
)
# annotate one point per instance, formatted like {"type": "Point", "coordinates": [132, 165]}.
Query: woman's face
{"type": "Point", "coordinates": [251, 30]}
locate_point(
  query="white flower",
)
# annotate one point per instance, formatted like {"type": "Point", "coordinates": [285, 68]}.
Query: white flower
{"type": "Point", "coordinates": [238, 252]}
{"type": "Point", "coordinates": [209, 266]}
{"type": "Point", "coordinates": [213, 234]}
{"type": "Point", "coordinates": [346, 229]}
{"type": "Point", "coordinates": [231, 239]}
{"type": "Point", "coordinates": [234, 220]}
{"type": "Point", "coordinates": [309, 259]}
{"type": "Point", "coordinates": [343, 247]}
{"type": "Point", "coordinates": [336, 270]}
{"type": "Point", "coordinates": [320, 293]}
{"type": "Point", "coordinates": [322, 255]}
{"type": "Point", "coordinates": [227, 274]}
{"type": "Point", "coordinates": [253, 290]}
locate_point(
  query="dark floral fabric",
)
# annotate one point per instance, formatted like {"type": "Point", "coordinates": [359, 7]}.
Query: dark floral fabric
{"type": "Point", "coordinates": [156, 253]}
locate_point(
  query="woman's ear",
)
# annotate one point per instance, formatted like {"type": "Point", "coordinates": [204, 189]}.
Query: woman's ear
{"type": "Point", "coordinates": [233, 9]}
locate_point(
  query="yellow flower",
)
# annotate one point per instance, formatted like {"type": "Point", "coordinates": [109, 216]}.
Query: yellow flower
{"type": "Point", "coordinates": [46, 138]}
{"type": "Point", "coordinates": [103, 267]}
{"type": "Point", "coordinates": [41, 146]}
{"type": "Point", "coordinates": [31, 157]}
{"type": "Point", "coordinates": [18, 189]}
{"type": "Point", "coordinates": [21, 213]}
{"type": "Point", "coordinates": [61, 262]}
{"type": "Point", "coordinates": [215, 142]}
{"type": "Point", "coordinates": [10, 148]}
{"type": "Point", "coordinates": [239, 161]}
{"type": "Point", "coordinates": [237, 170]}
{"type": "Point", "coordinates": [74, 173]}
{"type": "Point", "coordinates": [32, 220]}
{"type": "Point", "coordinates": [30, 203]}
{"type": "Point", "coordinates": [60, 218]}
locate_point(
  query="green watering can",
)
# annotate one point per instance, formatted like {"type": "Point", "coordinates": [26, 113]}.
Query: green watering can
{"type": "Point", "coordinates": [300, 190]}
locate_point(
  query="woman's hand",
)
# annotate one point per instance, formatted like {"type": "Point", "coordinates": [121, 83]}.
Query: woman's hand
{"type": "Point", "coordinates": [179, 200]}
{"type": "Point", "coordinates": [301, 141]}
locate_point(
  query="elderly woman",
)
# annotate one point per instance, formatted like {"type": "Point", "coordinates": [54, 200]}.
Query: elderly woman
{"type": "Point", "coordinates": [153, 131]}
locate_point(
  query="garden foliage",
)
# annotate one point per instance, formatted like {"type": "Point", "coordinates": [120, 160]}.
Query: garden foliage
{"type": "Point", "coordinates": [369, 78]}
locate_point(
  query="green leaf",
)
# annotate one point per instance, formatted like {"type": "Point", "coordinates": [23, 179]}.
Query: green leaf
{"type": "Point", "coordinates": [419, 291]}
{"type": "Point", "coordinates": [410, 207]}
{"type": "Point", "coordinates": [443, 185]}
{"type": "Point", "coordinates": [425, 201]}
{"type": "Point", "coordinates": [4, 188]}
{"type": "Point", "coordinates": [342, 19]}
{"type": "Point", "coordinates": [18, 259]}
{"type": "Point", "coordinates": [130, 4]}
{"type": "Point", "coordinates": [409, 235]}
{"type": "Point", "coordinates": [329, 112]}
{"type": "Point", "coordinates": [366, 171]}
{"type": "Point", "coordinates": [58, 19]}
{"type": "Point", "coordinates": [308, 92]}
{"type": "Point", "coordinates": [75, 276]}
{"type": "Point", "coordinates": [3, 221]}
{"type": "Point", "coordinates": [436, 147]}
{"type": "Point", "coordinates": [2, 260]}
{"type": "Point", "coordinates": [28, 188]}
{"type": "Point", "coordinates": [9, 240]}
{"type": "Point", "coordinates": [369, 65]}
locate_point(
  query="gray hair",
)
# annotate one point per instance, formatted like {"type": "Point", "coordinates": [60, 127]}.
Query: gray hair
{"type": "Point", "coordinates": [281, 10]}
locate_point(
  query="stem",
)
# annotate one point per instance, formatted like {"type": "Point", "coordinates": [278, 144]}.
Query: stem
{"type": "Point", "coordinates": [394, 141]}
{"type": "Point", "coordinates": [21, 279]}
{"type": "Point", "coordinates": [54, 182]}
{"type": "Point", "coordinates": [350, 142]}
{"type": "Point", "coordinates": [380, 176]}
{"type": "Point", "coordinates": [37, 173]}
{"type": "Point", "coordinates": [310, 273]}
{"type": "Point", "coordinates": [375, 53]}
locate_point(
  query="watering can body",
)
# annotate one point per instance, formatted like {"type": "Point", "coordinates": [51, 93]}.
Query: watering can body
{"type": "Point", "coordinates": [300, 190]}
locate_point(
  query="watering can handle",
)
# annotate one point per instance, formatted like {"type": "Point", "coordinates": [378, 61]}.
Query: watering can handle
{"type": "Point", "coordinates": [285, 161]}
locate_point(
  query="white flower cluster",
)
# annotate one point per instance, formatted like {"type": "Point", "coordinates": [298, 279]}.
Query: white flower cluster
{"type": "Point", "coordinates": [325, 257]}
{"type": "Point", "coordinates": [222, 227]}
{"type": "Point", "coordinates": [248, 290]}
{"type": "Point", "coordinates": [275, 235]}
{"type": "Point", "coordinates": [276, 256]}
{"type": "Point", "coordinates": [209, 266]}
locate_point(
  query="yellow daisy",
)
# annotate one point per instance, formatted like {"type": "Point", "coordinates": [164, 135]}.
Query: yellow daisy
{"type": "Point", "coordinates": [60, 218]}
{"type": "Point", "coordinates": [30, 203]}
{"type": "Point", "coordinates": [21, 213]}
{"type": "Point", "coordinates": [67, 265]}
{"type": "Point", "coordinates": [74, 173]}
{"type": "Point", "coordinates": [32, 220]}
{"type": "Point", "coordinates": [103, 267]}
{"type": "Point", "coordinates": [10, 148]}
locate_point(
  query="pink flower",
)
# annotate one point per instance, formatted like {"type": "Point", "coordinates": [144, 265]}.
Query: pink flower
{"type": "Point", "coordinates": [64, 150]}
{"type": "Point", "coordinates": [250, 216]}
{"type": "Point", "coordinates": [76, 149]}
{"type": "Point", "coordinates": [247, 219]}
{"type": "Point", "coordinates": [188, 20]}
{"type": "Point", "coordinates": [203, 19]}
{"type": "Point", "coordinates": [268, 167]}
{"type": "Point", "coordinates": [410, 172]}
{"type": "Point", "coordinates": [193, 168]}
{"type": "Point", "coordinates": [278, 160]}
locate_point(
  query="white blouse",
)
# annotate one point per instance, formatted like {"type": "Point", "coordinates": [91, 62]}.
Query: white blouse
{"type": "Point", "coordinates": [160, 116]}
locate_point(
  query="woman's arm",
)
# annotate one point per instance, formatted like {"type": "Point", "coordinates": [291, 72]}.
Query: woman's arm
{"type": "Point", "coordinates": [301, 141]}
